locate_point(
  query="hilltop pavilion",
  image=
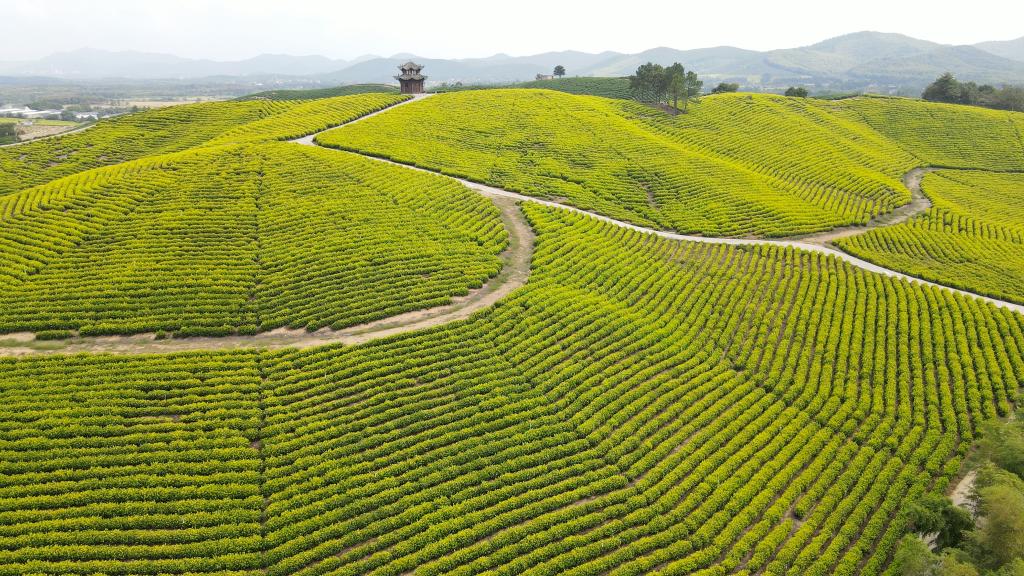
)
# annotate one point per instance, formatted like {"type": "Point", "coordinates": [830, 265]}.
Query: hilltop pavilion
{"type": "Point", "coordinates": [410, 78]}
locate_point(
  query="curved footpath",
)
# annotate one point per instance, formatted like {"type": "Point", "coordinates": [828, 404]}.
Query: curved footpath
{"type": "Point", "coordinates": [47, 137]}
{"type": "Point", "coordinates": [514, 273]}
{"type": "Point", "coordinates": [814, 243]}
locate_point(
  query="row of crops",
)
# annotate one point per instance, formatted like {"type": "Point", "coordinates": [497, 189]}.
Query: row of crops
{"type": "Point", "coordinates": [173, 129]}
{"type": "Point", "coordinates": [244, 238]}
{"type": "Point", "coordinates": [972, 239]}
{"type": "Point", "coordinates": [643, 404]}
{"type": "Point", "coordinates": [739, 164]}
{"type": "Point", "coordinates": [607, 87]}
{"type": "Point", "coordinates": [947, 135]}
{"type": "Point", "coordinates": [141, 466]}
{"type": "Point", "coordinates": [602, 155]}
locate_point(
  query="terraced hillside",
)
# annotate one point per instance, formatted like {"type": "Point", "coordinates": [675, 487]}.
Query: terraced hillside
{"type": "Point", "coordinates": [631, 162]}
{"type": "Point", "coordinates": [740, 164]}
{"type": "Point", "coordinates": [973, 238]}
{"type": "Point", "coordinates": [947, 135]}
{"type": "Point", "coordinates": [320, 93]}
{"type": "Point", "coordinates": [173, 129]}
{"type": "Point", "coordinates": [239, 238]}
{"type": "Point", "coordinates": [604, 87]}
{"type": "Point", "coordinates": [642, 404]}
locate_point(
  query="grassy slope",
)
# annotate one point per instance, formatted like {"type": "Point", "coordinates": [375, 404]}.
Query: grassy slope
{"type": "Point", "coordinates": [251, 237]}
{"type": "Point", "coordinates": [604, 87]}
{"type": "Point", "coordinates": [172, 129]}
{"type": "Point", "coordinates": [642, 403]}
{"type": "Point", "coordinates": [973, 238]}
{"type": "Point", "coordinates": [743, 164]}
{"type": "Point", "coordinates": [317, 93]}
{"type": "Point", "coordinates": [737, 165]}
{"type": "Point", "coordinates": [947, 135]}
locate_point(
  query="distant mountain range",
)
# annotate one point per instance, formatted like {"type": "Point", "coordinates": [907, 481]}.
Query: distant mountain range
{"type": "Point", "coordinates": [852, 61]}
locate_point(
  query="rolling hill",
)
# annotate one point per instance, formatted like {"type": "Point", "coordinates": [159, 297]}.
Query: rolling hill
{"type": "Point", "coordinates": [640, 402]}
{"type": "Point", "coordinates": [1012, 49]}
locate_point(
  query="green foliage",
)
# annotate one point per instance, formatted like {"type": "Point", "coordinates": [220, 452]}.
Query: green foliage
{"type": "Point", "coordinates": [316, 93]}
{"type": "Point", "coordinates": [724, 87]}
{"type": "Point", "coordinates": [1001, 535]}
{"type": "Point", "coordinates": [559, 71]}
{"type": "Point", "coordinates": [972, 239]}
{"type": "Point", "coordinates": [935, 514]}
{"type": "Point", "coordinates": [913, 558]}
{"type": "Point", "coordinates": [738, 165]}
{"type": "Point", "coordinates": [948, 89]}
{"type": "Point", "coordinates": [996, 545]}
{"type": "Point", "coordinates": [131, 466]}
{"type": "Point", "coordinates": [796, 92]}
{"type": "Point", "coordinates": [209, 241]}
{"type": "Point", "coordinates": [655, 83]}
{"type": "Point", "coordinates": [681, 84]}
{"type": "Point", "coordinates": [588, 86]}
{"type": "Point", "coordinates": [944, 135]}
{"type": "Point", "coordinates": [641, 403]}
{"type": "Point", "coordinates": [1003, 444]}
{"type": "Point", "coordinates": [53, 334]}
{"type": "Point", "coordinates": [304, 118]}
{"type": "Point", "coordinates": [173, 129]}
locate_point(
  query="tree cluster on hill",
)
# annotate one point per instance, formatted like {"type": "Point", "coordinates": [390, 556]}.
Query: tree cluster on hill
{"type": "Point", "coordinates": [659, 84]}
{"type": "Point", "coordinates": [725, 87]}
{"type": "Point", "coordinates": [989, 543]}
{"type": "Point", "coordinates": [947, 88]}
{"type": "Point", "coordinates": [796, 92]}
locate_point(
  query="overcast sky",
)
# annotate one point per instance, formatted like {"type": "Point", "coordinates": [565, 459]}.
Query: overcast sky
{"type": "Point", "coordinates": [235, 29]}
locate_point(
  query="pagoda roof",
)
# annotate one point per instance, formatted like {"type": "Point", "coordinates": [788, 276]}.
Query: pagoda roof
{"type": "Point", "coordinates": [410, 77]}
{"type": "Point", "coordinates": [410, 65]}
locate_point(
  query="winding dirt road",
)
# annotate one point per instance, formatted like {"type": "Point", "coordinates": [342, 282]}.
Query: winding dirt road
{"type": "Point", "coordinates": [514, 274]}
{"type": "Point", "coordinates": [817, 243]}
{"type": "Point", "coordinates": [919, 204]}
{"type": "Point", "coordinates": [47, 137]}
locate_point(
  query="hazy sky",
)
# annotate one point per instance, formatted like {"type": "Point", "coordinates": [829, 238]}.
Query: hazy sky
{"type": "Point", "coordinates": [234, 29]}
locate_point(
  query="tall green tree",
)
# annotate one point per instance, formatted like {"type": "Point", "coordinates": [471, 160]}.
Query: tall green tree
{"type": "Point", "coordinates": [725, 87]}
{"type": "Point", "coordinates": [648, 83]}
{"type": "Point", "coordinates": [935, 514]}
{"type": "Point", "coordinates": [675, 83]}
{"type": "Point", "coordinates": [1001, 535]}
{"type": "Point", "coordinates": [693, 86]}
{"type": "Point", "coordinates": [946, 88]}
{"type": "Point", "coordinates": [559, 71]}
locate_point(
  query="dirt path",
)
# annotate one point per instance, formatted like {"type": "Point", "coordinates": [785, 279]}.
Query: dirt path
{"type": "Point", "coordinates": [919, 203]}
{"type": "Point", "coordinates": [308, 139]}
{"type": "Point", "coordinates": [802, 244]}
{"type": "Point", "coordinates": [514, 274]}
{"type": "Point", "coordinates": [57, 135]}
{"type": "Point", "coordinates": [962, 491]}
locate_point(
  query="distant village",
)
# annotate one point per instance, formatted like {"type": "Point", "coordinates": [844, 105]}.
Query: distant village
{"type": "Point", "coordinates": [51, 114]}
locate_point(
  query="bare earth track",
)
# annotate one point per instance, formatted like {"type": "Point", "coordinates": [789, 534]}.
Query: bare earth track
{"type": "Point", "coordinates": [514, 274]}
{"type": "Point", "coordinates": [48, 136]}
{"type": "Point", "coordinates": [919, 204]}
